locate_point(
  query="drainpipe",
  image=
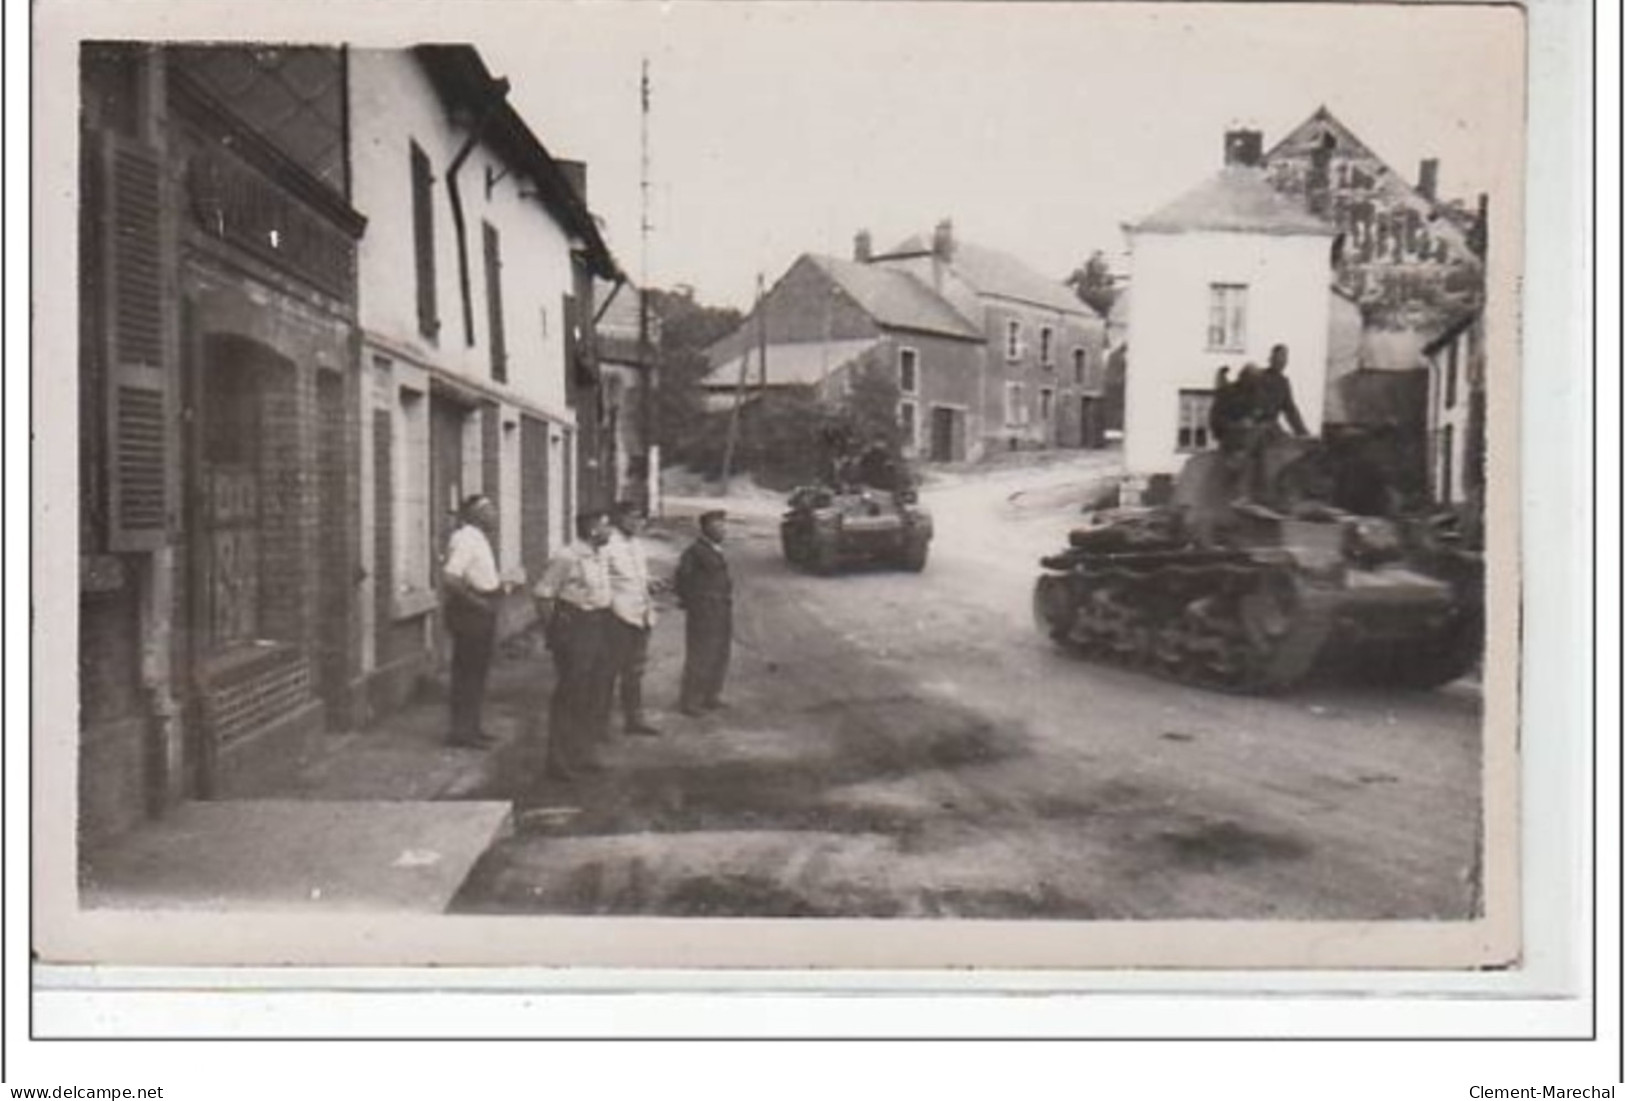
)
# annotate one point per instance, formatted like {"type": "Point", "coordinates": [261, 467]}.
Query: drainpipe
{"type": "Point", "coordinates": [499, 93]}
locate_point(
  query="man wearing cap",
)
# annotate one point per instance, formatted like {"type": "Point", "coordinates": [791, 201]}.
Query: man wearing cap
{"type": "Point", "coordinates": [705, 592]}
{"type": "Point", "coordinates": [634, 613]}
{"type": "Point", "coordinates": [471, 588]}
{"type": "Point", "coordinates": [573, 601]}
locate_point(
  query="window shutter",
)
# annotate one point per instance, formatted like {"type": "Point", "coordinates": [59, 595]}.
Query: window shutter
{"type": "Point", "coordinates": [138, 377]}
{"type": "Point", "coordinates": [423, 243]}
{"type": "Point", "coordinates": [493, 303]}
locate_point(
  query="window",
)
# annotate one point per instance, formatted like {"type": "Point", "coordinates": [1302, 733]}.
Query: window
{"type": "Point", "coordinates": [423, 242]}
{"type": "Point", "coordinates": [1194, 406]}
{"type": "Point", "coordinates": [1012, 339]}
{"type": "Point", "coordinates": [1046, 405]}
{"type": "Point", "coordinates": [1015, 403]}
{"type": "Point", "coordinates": [1080, 365]}
{"type": "Point", "coordinates": [412, 493]}
{"type": "Point", "coordinates": [1451, 364]}
{"type": "Point", "coordinates": [493, 303]}
{"type": "Point", "coordinates": [1046, 346]}
{"type": "Point", "coordinates": [908, 420]}
{"type": "Point", "coordinates": [1227, 317]}
{"type": "Point", "coordinates": [908, 371]}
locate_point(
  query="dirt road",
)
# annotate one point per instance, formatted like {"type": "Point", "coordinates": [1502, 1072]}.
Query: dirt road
{"type": "Point", "coordinates": [907, 744]}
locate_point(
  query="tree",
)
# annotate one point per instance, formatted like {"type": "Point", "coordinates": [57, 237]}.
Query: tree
{"type": "Point", "coordinates": [1093, 283]}
{"type": "Point", "coordinates": [686, 329]}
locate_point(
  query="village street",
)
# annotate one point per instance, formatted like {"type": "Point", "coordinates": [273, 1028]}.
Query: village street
{"type": "Point", "coordinates": [909, 745]}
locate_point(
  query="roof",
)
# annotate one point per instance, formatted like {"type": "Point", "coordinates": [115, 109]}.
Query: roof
{"type": "Point", "coordinates": [991, 272]}
{"type": "Point", "coordinates": [461, 79]}
{"type": "Point", "coordinates": [1451, 332]}
{"type": "Point", "coordinates": [896, 299]}
{"type": "Point", "coordinates": [804, 364]}
{"type": "Point", "coordinates": [1236, 199]}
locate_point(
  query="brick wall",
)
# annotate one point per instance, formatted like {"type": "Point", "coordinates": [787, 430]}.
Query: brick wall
{"type": "Point", "coordinates": [335, 556]}
{"type": "Point", "coordinates": [286, 515]}
{"type": "Point", "coordinates": [383, 452]}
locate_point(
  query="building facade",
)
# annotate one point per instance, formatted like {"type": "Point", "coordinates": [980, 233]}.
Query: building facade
{"type": "Point", "coordinates": [1221, 275]}
{"type": "Point", "coordinates": [827, 319]}
{"type": "Point", "coordinates": [218, 241]}
{"type": "Point", "coordinates": [1043, 376]}
{"type": "Point", "coordinates": [1456, 415]}
{"type": "Point", "coordinates": [324, 295]}
{"type": "Point", "coordinates": [628, 377]}
{"type": "Point", "coordinates": [475, 343]}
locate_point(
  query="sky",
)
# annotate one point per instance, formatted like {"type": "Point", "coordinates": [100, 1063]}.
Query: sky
{"type": "Point", "coordinates": [1038, 128]}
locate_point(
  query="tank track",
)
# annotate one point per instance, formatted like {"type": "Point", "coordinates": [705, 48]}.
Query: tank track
{"type": "Point", "coordinates": [1214, 619]}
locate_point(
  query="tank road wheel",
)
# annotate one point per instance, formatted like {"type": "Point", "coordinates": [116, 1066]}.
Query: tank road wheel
{"type": "Point", "coordinates": [824, 555]}
{"type": "Point", "coordinates": [915, 552]}
{"type": "Point", "coordinates": [1431, 662]}
{"type": "Point", "coordinates": [1054, 610]}
{"type": "Point", "coordinates": [1266, 616]}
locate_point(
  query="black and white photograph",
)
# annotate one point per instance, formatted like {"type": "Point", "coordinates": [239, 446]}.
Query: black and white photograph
{"type": "Point", "coordinates": [870, 485]}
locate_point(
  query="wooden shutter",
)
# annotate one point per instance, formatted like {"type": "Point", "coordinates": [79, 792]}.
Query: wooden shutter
{"type": "Point", "coordinates": [138, 482]}
{"type": "Point", "coordinates": [423, 242]}
{"type": "Point", "coordinates": [493, 303]}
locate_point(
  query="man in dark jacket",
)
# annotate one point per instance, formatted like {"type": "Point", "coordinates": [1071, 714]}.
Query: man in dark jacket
{"type": "Point", "coordinates": [1271, 400]}
{"type": "Point", "coordinates": [705, 592]}
{"type": "Point", "coordinates": [1272, 395]}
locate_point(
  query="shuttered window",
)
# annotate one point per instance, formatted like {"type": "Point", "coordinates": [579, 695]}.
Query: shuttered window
{"type": "Point", "coordinates": [493, 303]}
{"type": "Point", "coordinates": [138, 381]}
{"type": "Point", "coordinates": [423, 241]}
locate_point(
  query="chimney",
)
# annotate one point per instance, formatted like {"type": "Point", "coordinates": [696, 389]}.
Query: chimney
{"type": "Point", "coordinates": [1244, 148]}
{"type": "Point", "coordinates": [862, 247]}
{"type": "Point", "coordinates": [576, 173]}
{"type": "Point", "coordinates": [1427, 179]}
{"type": "Point", "coordinates": [942, 241]}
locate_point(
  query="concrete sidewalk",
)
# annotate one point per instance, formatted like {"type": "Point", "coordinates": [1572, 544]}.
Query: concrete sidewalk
{"type": "Point", "coordinates": [390, 817]}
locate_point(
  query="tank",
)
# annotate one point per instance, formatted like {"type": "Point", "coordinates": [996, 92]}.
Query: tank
{"type": "Point", "coordinates": [866, 511]}
{"type": "Point", "coordinates": [1254, 595]}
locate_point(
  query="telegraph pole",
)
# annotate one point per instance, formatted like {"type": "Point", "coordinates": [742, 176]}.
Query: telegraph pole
{"type": "Point", "coordinates": [646, 351]}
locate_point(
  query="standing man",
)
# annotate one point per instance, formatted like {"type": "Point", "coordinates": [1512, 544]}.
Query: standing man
{"type": "Point", "coordinates": [1272, 395]}
{"type": "Point", "coordinates": [634, 610]}
{"type": "Point", "coordinates": [1271, 398]}
{"type": "Point", "coordinates": [573, 603]}
{"type": "Point", "coordinates": [470, 609]}
{"type": "Point", "coordinates": [705, 592]}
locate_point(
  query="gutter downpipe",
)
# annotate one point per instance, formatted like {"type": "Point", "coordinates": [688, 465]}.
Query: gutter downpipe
{"type": "Point", "coordinates": [499, 93]}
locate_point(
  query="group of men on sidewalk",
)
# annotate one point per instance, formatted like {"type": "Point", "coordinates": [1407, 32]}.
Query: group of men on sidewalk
{"type": "Point", "coordinates": [595, 604]}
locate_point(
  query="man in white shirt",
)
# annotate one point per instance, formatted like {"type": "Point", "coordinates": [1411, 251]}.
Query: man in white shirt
{"type": "Point", "coordinates": [471, 589]}
{"type": "Point", "coordinates": [573, 601]}
{"type": "Point", "coordinates": [634, 612]}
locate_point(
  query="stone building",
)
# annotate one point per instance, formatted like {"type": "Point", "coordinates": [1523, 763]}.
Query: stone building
{"type": "Point", "coordinates": [1221, 274]}
{"type": "Point", "coordinates": [218, 241]}
{"type": "Point", "coordinates": [477, 286]}
{"type": "Point", "coordinates": [323, 295]}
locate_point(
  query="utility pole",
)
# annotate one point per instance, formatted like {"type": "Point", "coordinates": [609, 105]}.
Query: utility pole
{"type": "Point", "coordinates": [646, 351]}
{"type": "Point", "coordinates": [744, 379]}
